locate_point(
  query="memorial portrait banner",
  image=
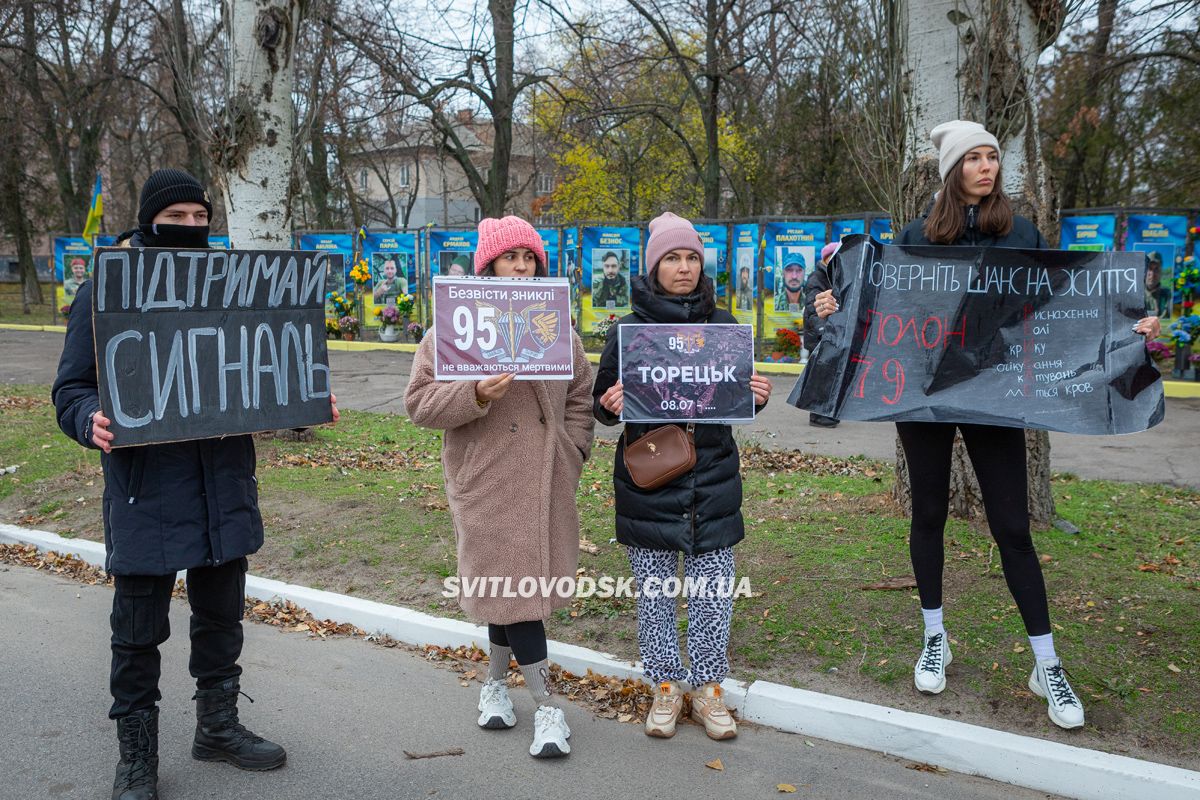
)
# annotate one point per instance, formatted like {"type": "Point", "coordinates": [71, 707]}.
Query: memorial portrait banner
{"type": "Point", "coordinates": [609, 257]}
{"type": "Point", "coordinates": [1095, 232]}
{"type": "Point", "coordinates": [490, 326]}
{"type": "Point", "coordinates": [715, 239]}
{"type": "Point", "coordinates": [339, 243]}
{"type": "Point", "coordinates": [194, 344]}
{"type": "Point", "coordinates": [1020, 338]}
{"type": "Point", "coordinates": [745, 273]}
{"type": "Point", "coordinates": [687, 373]}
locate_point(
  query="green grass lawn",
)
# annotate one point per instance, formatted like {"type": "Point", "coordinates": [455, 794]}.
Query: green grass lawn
{"type": "Point", "coordinates": [12, 311]}
{"type": "Point", "coordinates": [361, 510]}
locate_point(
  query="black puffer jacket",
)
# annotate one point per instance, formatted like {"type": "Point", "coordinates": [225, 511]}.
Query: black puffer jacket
{"type": "Point", "coordinates": [167, 507]}
{"type": "Point", "coordinates": [698, 512]}
{"type": "Point", "coordinates": [1023, 234]}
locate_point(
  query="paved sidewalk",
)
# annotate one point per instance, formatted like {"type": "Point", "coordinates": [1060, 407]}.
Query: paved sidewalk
{"type": "Point", "coordinates": [374, 380]}
{"type": "Point", "coordinates": [346, 709]}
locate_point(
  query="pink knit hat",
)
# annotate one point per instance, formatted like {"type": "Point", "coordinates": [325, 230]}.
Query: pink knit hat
{"type": "Point", "coordinates": [498, 236]}
{"type": "Point", "coordinates": [828, 250]}
{"type": "Point", "coordinates": [669, 232]}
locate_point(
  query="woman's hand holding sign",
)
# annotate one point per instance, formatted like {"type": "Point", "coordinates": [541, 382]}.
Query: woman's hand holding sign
{"type": "Point", "coordinates": [1150, 327]}
{"type": "Point", "coordinates": [760, 385]}
{"type": "Point", "coordinates": [825, 303]}
{"type": "Point", "coordinates": [614, 399]}
{"type": "Point", "coordinates": [493, 388]}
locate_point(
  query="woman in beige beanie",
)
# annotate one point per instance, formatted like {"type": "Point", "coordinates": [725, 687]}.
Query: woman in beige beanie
{"type": "Point", "coordinates": [971, 209]}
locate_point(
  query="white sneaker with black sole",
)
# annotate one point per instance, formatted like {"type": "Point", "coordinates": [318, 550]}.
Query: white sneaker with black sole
{"type": "Point", "coordinates": [495, 706]}
{"type": "Point", "coordinates": [1049, 680]}
{"type": "Point", "coordinates": [929, 675]}
{"type": "Point", "coordinates": [550, 733]}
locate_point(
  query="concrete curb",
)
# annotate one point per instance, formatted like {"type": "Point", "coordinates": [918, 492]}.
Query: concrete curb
{"type": "Point", "coordinates": [971, 749]}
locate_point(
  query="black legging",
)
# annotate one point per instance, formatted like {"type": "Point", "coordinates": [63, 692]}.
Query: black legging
{"type": "Point", "coordinates": [527, 640]}
{"type": "Point", "coordinates": [998, 456]}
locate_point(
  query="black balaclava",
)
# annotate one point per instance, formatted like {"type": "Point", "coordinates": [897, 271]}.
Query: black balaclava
{"type": "Point", "coordinates": [163, 188]}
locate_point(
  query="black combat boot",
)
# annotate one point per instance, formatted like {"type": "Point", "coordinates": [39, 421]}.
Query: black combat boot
{"type": "Point", "coordinates": [137, 771]}
{"type": "Point", "coordinates": [220, 737]}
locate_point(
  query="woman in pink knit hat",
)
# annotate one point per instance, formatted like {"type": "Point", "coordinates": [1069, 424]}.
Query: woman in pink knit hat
{"type": "Point", "coordinates": [698, 514]}
{"type": "Point", "coordinates": [512, 454]}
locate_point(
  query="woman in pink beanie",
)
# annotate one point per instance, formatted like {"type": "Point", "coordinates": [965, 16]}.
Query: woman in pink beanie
{"type": "Point", "coordinates": [512, 454]}
{"type": "Point", "coordinates": [698, 514]}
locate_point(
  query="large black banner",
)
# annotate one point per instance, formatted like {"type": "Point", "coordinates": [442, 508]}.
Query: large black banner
{"type": "Point", "coordinates": [1022, 338]}
{"type": "Point", "coordinates": [192, 344]}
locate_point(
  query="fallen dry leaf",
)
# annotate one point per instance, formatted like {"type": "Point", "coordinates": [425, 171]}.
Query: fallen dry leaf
{"type": "Point", "coordinates": [928, 768]}
{"type": "Point", "coordinates": [715, 764]}
{"type": "Point", "coordinates": [786, 788]}
{"type": "Point", "coordinates": [1174, 668]}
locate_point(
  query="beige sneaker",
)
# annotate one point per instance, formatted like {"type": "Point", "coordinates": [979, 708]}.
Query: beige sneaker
{"type": "Point", "coordinates": [708, 708]}
{"type": "Point", "coordinates": [664, 712]}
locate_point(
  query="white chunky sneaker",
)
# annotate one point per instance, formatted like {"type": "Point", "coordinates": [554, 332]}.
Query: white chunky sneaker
{"type": "Point", "coordinates": [929, 675]}
{"type": "Point", "coordinates": [495, 707]}
{"type": "Point", "coordinates": [1049, 680]}
{"type": "Point", "coordinates": [550, 733]}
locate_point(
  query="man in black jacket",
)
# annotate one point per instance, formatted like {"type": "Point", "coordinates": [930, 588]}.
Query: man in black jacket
{"type": "Point", "coordinates": [189, 505]}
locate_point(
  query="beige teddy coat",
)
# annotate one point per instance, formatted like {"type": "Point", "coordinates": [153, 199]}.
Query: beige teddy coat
{"type": "Point", "coordinates": [512, 471]}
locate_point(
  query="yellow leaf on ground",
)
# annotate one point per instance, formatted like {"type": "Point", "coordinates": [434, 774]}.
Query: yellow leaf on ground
{"type": "Point", "coordinates": [787, 788]}
{"type": "Point", "coordinates": [715, 764]}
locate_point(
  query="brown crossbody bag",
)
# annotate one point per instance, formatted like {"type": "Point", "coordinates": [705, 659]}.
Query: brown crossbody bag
{"type": "Point", "coordinates": [661, 456]}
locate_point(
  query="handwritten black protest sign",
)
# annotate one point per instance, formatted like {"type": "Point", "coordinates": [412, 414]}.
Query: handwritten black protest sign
{"type": "Point", "coordinates": [693, 373]}
{"type": "Point", "coordinates": [1022, 338]}
{"type": "Point", "coordinates": [192, 344]}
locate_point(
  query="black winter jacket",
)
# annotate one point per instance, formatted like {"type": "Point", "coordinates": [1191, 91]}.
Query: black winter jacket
{"type": "Point", "coordinates": [698, 512]}
{"type": "Point", "coordinates": [1023, 235]}
{"type": "Point", "coordinates": [818, 281]}
{"type": "Point", "coordinates": [167, 507]}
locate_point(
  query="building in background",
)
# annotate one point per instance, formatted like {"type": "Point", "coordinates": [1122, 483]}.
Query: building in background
{"type": "Point", "coordinates": [411, 179]}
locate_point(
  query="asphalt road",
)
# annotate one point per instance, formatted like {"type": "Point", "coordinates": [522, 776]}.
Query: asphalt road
{"type": "Point", "coordinates": [346, 709]}
{"type": "Point", "coordinates": [374, 380]}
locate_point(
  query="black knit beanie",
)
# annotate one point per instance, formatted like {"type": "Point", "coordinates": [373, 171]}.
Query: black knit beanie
{"type": "Point", "coordinates": [167, 186]}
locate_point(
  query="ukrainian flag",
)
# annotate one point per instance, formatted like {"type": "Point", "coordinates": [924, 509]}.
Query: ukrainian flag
{"type": "Point", "coordinates": [95, 212]}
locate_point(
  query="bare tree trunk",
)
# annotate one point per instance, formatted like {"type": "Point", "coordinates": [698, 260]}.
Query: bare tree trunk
{"type": "Point", "coordinates": [80, 92]}
{"type": "Point", "coordinates": [711, 113]}
{"type": "Point", "coordinates": [988, 50]}
{"type": "Point", "coordinates": [254, 151]}
{"type": "Point", "coordinates": [1106, 15]}
{"type": "Point", "coordinates": [13, 215]}
{"type": "Point", "coordinates": [186, 112]}
{"type": "Point", "coordinates": [503, 98]}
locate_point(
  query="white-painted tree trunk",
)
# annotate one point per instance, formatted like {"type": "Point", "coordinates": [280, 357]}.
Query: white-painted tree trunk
{"type": "Point", "coordinates": [976, 60]}
{"type": "Point", "coordinates": [254, 155]}
{"type": "Point", "coordinates": [931, 69]}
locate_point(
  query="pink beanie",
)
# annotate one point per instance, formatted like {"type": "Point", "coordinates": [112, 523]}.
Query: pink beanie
{"type": "Point", "coordinates": [498, 236]}
{"type": "Point", "coordinates": [828, 250]}
{"type": "Point", "coordinates": [669, 232]}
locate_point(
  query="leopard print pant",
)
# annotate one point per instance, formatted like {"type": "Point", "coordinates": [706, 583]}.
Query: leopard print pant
{"type": "Point", "coordinates": [709, 615]}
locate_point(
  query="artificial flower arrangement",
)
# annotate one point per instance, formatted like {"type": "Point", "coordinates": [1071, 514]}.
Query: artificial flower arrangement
{"type": "Point", "coordinates": [360, 273]}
